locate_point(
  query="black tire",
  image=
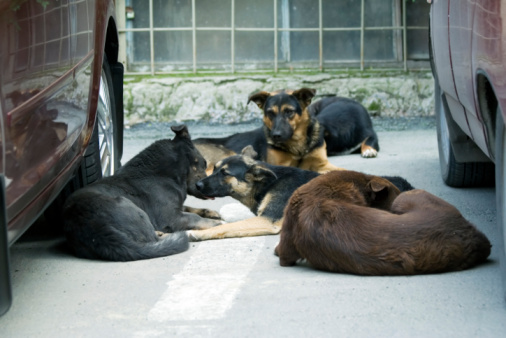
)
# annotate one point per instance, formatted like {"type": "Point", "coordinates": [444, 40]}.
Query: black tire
{"type": "Point", "coordinates": [102, 156]}
{"type": "Point", "coordinates": [456, 174]}
{"type": "Point", "coordinates": [108, 126]}
{"type": "Point", "coordinates": [500, 173]}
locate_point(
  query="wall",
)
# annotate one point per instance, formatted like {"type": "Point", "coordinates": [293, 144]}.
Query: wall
{"type": "Point", "coordinates": [223, 99]}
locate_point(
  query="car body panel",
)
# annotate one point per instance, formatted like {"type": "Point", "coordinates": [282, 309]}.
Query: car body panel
{"type": "Point", "coordinates": [440, 43]}
{"type": "Point", "coordinates": [469, 65]}
{"type": "Point", "coordinates": [50, 65]}
{"type": "Point", "coordinates": [469, 43]}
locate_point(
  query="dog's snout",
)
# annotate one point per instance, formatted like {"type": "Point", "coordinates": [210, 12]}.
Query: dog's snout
{"type": "Point", "coordinates": [199, 185]}
{"type": "Point", "coordinates": [276, 136]}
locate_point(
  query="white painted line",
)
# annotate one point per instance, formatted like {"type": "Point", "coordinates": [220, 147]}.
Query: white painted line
{"type": "Point", "coordinates": [208, 284]}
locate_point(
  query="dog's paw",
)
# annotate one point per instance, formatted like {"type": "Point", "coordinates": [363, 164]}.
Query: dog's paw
{"type": "Point", "coordinates": [208, 213]}
{"type": "Point", "coordinates": [192, 237]}
{"type": "Point", "coordinates": [161, 234]}
{"type": "Point", "coordinates": [369, 153]}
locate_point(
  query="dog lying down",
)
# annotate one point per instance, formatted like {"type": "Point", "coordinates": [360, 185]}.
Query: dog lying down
{"type": "Point", "coordinates": [330, 223]}
{"type": "Point", "coordinates": [123, 217]}
{"type": "Point", "coordinates": [264, 188]}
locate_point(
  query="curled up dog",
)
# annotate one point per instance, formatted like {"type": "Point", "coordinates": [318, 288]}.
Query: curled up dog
{"type": "Point", "coordinates": [330, 222]}
{"type": "Point", "coordinates": [138, 213]}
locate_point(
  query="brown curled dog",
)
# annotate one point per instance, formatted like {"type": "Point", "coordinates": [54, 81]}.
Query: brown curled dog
{"type": "Point", "coordinates": [330, 223]}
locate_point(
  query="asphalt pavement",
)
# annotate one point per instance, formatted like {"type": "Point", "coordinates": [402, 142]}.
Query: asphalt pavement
{"type": "Point", "coordinates": [236, 288]}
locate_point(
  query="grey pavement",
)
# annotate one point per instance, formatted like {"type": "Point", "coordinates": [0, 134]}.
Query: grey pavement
{"type": "Point", "coordinates": [236, 288]}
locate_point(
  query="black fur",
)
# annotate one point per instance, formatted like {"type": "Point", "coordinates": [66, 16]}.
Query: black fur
{"type": "Point", "coordinates": [118, 217]}
{"type": "Point", "coordinates": [269, 185]}
{"type": "Point", "coordinates": [346, 122]}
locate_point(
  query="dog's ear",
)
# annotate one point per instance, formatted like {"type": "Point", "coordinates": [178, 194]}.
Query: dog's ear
{"type": "Point", "coordinates": [305, 95]}
{"type": "Point", "coordinates": [248, 151]}
{"type": "Point", "coordinates": [381, 192]}
{"type": "Point", "coordinates": [259, 98]}
{"type": "Point", "coordinates": [181, 131]}
{"type": "Point", "coordinates": [261, 173]}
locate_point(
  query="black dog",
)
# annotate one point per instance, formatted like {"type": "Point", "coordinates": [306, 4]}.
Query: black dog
{"type": "Point", "coordinates": [347, 124]}
{"type": "Point", "coordinates": [138, 212]}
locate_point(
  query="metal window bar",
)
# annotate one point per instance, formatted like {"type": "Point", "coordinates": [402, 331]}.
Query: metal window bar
{"type": "Point", "coordinates": [275, 30]}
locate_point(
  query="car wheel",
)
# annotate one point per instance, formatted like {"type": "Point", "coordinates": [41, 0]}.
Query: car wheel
{"type": "Point", "coordinates": [101, 157]}
{"type": "Point", "coordinates": [500, 173]}
{"type": "Point", "coordinates": [456, 174]}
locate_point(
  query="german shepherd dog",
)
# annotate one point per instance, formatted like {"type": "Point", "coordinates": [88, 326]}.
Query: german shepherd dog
{"type": "Point", "coordinates": [347, 126]}
{"type": "Point", "coordinates": [295, 132]}
{"type": "Point", "coordinates": [264, 188]}
{"type": "Point", "coordinates": [138, 213]}
{"type": "Point", "coordinates": [330, 223]}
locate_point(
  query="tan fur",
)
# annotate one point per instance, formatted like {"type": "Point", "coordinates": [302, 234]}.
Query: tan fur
{"type": "Point", "coordinates": [296, 152]}
{"type": "Point", "coordinates": [213, 154]}
{"type": "Point", "coordinates": [256, 226]}
{"type": "Point", "coordinates": [315, 160]}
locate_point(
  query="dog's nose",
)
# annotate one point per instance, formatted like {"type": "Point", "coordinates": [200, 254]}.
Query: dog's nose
{"type": "Point", "coordinates": [276, 136]}
{"type": "Point", "coordinates": [199, 185]}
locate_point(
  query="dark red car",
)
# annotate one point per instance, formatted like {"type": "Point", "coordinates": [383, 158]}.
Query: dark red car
{"type": "Point", "coordinates": [61, 110]}
{"type": "Point", "coordinates": [468, 54]}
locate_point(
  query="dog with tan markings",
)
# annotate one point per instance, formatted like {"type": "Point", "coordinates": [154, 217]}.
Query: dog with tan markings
{"type": "Point", "coordinates": [290, 135]}
{"type": "Point", "coordinates": [264, 188]}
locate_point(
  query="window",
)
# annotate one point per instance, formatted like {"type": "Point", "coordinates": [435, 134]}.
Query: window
{"type": "Point", "coordinates": [165, 36]}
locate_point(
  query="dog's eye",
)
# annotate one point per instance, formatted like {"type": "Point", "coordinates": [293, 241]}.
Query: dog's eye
{"type": "Point", "coordinates": [270, 113]}
{"type": "Point", "coordinates": [290, 113]}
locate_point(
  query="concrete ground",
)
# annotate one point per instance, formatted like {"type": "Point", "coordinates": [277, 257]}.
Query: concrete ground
{"type": "Point", "coordinates": [236, 288]}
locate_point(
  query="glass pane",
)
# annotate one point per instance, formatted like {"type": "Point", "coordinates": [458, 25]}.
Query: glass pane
{"type": "Point", "coordinates": [379, 13]}
{"type": "Point", "coordinates": [343, 46]}
{"type": "Point", "coordinates": [249, 14]}
{"type": "Point", "coordinates": [418, 40]}
{"type": "Point", "coordinates": [214, 13]}
{"type": "Point", "coordinates": [342, 13]}
{"type": "Point", "coordinates": [379, 45]}
{"type": "Point", "coordinates": [213, 46]}
{"type": "Point", "coordinates": [298, 14]}
{"type": "Point", "coordinates": [254, 46]}
{"type": "Point", "coordinates": [299, 46]}
{"type": "Point", "coordinates": [139, 50]}
{"type": "Point", "coordinates": [173, 46]}
{"type": "Point", "coordinates": [141, 10]}
{"type": "Point", "coordinates": [172, 13]}
{"type": "Point", "coordinates": [417, 13]}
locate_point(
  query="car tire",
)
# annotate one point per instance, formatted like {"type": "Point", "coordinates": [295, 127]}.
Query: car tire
{"type": "Point", "coordinates": [456, 174]}
{"type": "Point", "coordinates": [500, 191]}
{"type": "Point", "coordinates": [102, 156]}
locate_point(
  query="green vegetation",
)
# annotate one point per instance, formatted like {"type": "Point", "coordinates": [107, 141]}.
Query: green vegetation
{"type": "Point", "coordinates": [344, 73]}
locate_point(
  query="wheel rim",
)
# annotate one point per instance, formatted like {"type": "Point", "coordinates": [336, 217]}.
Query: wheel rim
{"type": "Point", "coordinates": [445, 134]}
{"type": "Point", "coordinates": [500, 185]}
{"type": "Point", "coordinates": [105, 128]}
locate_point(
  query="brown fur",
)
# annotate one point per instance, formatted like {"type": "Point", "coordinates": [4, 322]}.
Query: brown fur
{"type": "Point", "coordinates": [330, 222]}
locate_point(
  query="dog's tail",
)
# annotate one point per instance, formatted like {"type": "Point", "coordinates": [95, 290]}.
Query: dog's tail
{"type": "Point", "coordinates": [120, 247]}
{"type": "Point", "coordinates": [171, 244]}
